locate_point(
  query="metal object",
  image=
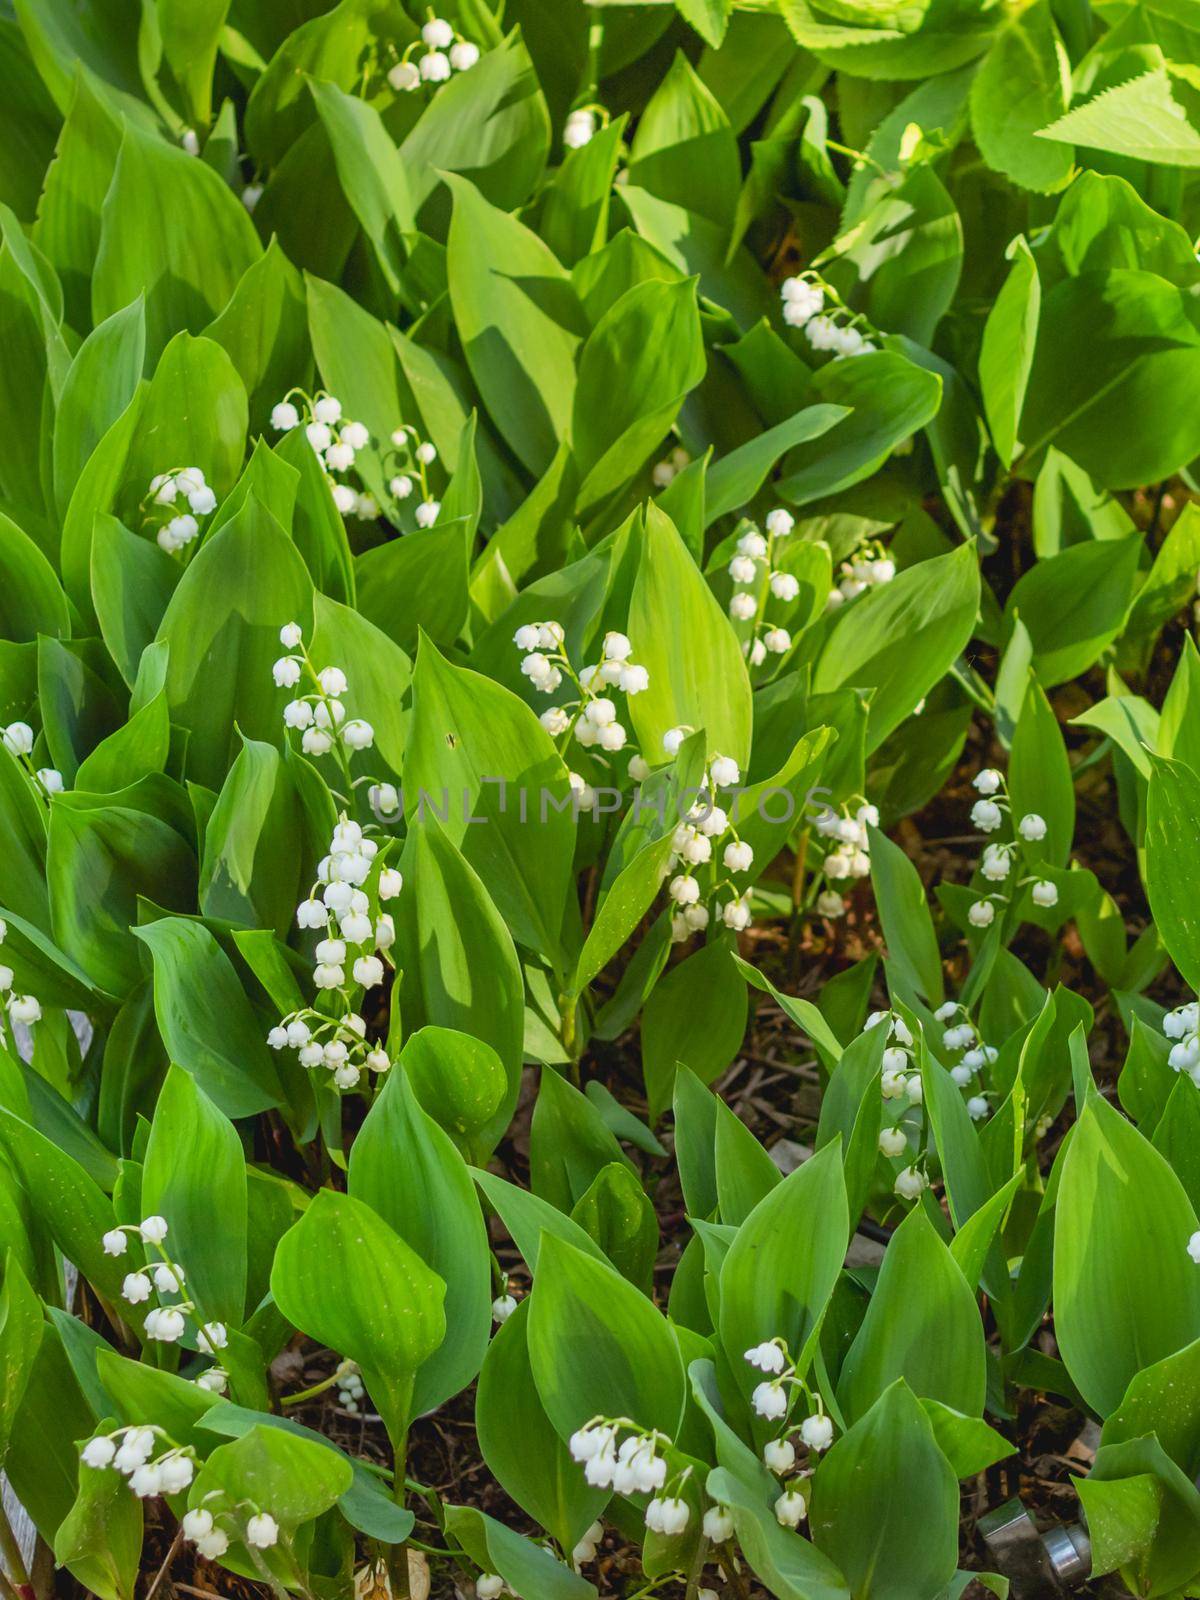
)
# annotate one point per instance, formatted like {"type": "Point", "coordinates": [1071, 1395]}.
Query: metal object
{"type": "Point", "coordinates": [1036, 1564]}
{"type": "Point", "coordinates": [1070, 1553]}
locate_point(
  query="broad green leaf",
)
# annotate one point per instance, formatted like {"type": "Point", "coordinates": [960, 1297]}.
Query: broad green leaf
{"type": "Point", "coordinates": [519, 1443]}
{"type": "Point", "coordinates": [1139, 118]}
{"type": "Point", "coordinates": [480, 762]}
{"type": "Point", "coordinates": [103, 855]}
{"type": "Point", "coordinates": [867, 1530]}
{"type": "Point", "coordinates": [520, 324]}
{"type": "Point", "coordinates": [902, 637]}
{"type": "Point", "coordinates": [459, 965]}
{"type": "Point", "coordinates": [695, 1016]}
{"type": "Point", "coordinates": [205, 1019]}
{"type": "Point", "coordinates": [390, 1321]}
{"type": "Point", "coordinates": [428, 1197]}
{"type": "Point", "coordinates": [1074, 604]}
{"type": "Point", "coordinates": [99, 1541]}
{"type": "Point", "coordinates": [99, 386]}
{"type": "Point", "coordinates": [1122, 1217]}
{"type": "Point", "coordinates": [1142, 358]}
{"type": "Point", "coordinates": [903, 911]}
{"type": "Point", "coordinates": [528, 1569]}
{"type": "Point", "coordinates": [672, 608]}
{"type": "Point", "coordinates": [922, 1325]}
{"type": "Point", "coordinates": [635, 370]}
{"type": "Point", "coordinates": [160, 206]}
{"type": "Point", "coordinates": [598, 1347]}
{"type": "Point", "coordinates": [782, 1266]}
{"type": "Point", "coordinates": [222, 625]}
{"type": "Point", "coordinates": [1023, 84]}
{"type": "Point", "coordinates": [193, 1154]}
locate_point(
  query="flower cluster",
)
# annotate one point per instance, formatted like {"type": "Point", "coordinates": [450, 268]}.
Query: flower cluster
{"type": "Point", "coordinates": [18, 740]}
{"type": "Point", "coordinates": [168, 1320]}
{"type": "Point", "coordinates": [1000, 857]}
{"type": "Point", "coordinates": [318, 713]}
{"type": "Point", "coordinates": [336, 441]}
{"type": "Point", "coordinates": [439, 52]}
{"type": "Point", "coordinates": [757, 581]}
{"type": "Point", "coordinates": [351, 1392]}
{"type": "Point", "coordinates": [963, 1035]}
{"type": "Point", "coordinates": [585, 1550]}
{"type": "Point", "coordinates": [849, 855]}
{"type": "Point", "coordinates": [1181, 1027]}
{"type": "Point", "coordinates": [773, 1399]}
{"type": "Point", "coordinates": [22, 1008]}
{"type": "Point", "coordinates": [175, 504]}
{"type": "Point", "coordinates": [705, 838]}
{"type": "Point", "coordinates": [134, 1452]}
{"type": "Point", "coordinates": [631, 1465]}
{"type": "Point", "coordinates": [838, 330]}
{"type": "Point", "coordinates": [664, 471]}
{"type": "Point", "coordinates": [409, 463]}
{"type": "Point", "coordinates": [259, 1531]}
{"type": "Point", "coordinates": [899, 1081]}
{"type": "Point", "coordinates": [869, 566]}
{"type": "Point", "coordinates": [338, 908]}
{"type": "Point", "coordinates": [590, 717]}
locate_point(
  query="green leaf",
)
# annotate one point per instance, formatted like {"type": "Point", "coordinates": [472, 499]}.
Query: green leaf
{"type": "Point", "coordinates": [20, 1337]}
{"type": "Point", "coordinates": [160, 205]}
{"type": "Point", "coordinates": [1173, 790]}
{"type": "Point", "coordinates": [372, 174]}
{"type": "Point", "coordinates": [390, 1321]}
{"type": "Point", "coordinates": [598, 1347]}
{"type": "Point", "coordinates": [782, 1266]}
{"type": "Point", "coordinates": [527, 1568]}
{"type": "Point", "coordinates": [1006, 354]}
{"type": "Point", "coordinates": [103, 855]}
{"type": "Point", "coordinates": [264, 331]}
{"type": "Point", "coordinates": [102, 381]}
{"type": "Point", "coordinates": [901, 638]}
{"type": "Point", "coordinates": [1122, 1217]}
{"type": "Point", "coordinates": [490, 125]}
{"type": "Point", "coordinates": [1139, 118]}
{"type": "Point", "coordinates": [297, 1477]}
{"type": "Point", "coordinates": [865, 1528]}
{"type": "Point", "coordinates": [193, 1153]}
{"type": "Point", "coordinates": [205, 1018]}
{"type": "Point", "coordinates": [1023, 83]}
{"type": "Point", "coordinates": [417, 584]}
{"type": "Point", "coordinates": [695, 1016]}
{"type": "Point", "coordinates": [99, 1541]}
{"type": "Point", "coordinates": [459, 966]}
{"type": "Point", "coordinates": [635, 370]}
{"type": "Point", "coordinates": [132, 581]}
{"type": "Point", "coordinates": [429, 1199]}
{"type": "Point", "coordinates": [922, 1325]}
{"type": "Point", "coordinates": [222, 625]}
{"type": "Point", "coordinates": [684, 149]}
{"type": "Point", "coordinates": [520, 324]}
{"type": "Point", "coordinates": [904, 912]}
{"type": "Point", "coordinates": [459, 1080]}
{"type": "Point", "coordinates": [707, 688]}
{"type": "Point", "coordinates": [518, 1441]}
{"type": "Point", "coordinates": [31, 600]}
{"type": "Point", "coordinates": [479, 761]}
{"type": "Point", "coordinates": [1039, 777]}
{"type": "Point", "coordinates": [1074, 604]}
{"type": "Point", "coordinates": [1142, 359]}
